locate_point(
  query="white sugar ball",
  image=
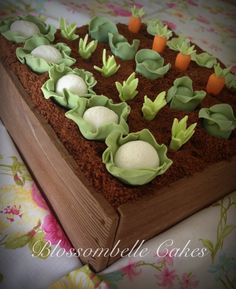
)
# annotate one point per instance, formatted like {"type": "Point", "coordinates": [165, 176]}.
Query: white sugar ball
{"type": "Point", "coordinates": [136, 154]}
{"type": "Point", "coordinates": [48, 53]}
{"type": "Point", "coordinates": [73, 83]}
{"type": "Point", "coordinates": [24, 28]}
{"type": "Point", "coordinates": [98, 116]}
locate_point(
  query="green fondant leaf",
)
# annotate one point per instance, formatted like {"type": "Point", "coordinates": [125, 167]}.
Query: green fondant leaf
{"type": "Point", "coordinates": [127, 90]}
{"type": "Point", "coordinates": [151, 108]}
{"type": "Point", "coordinates": [99, 27]}
{"type": "Point", "coordinates": [68, 99]}
{"type": "Point", "coordinates": [134, 176]}
{"type": "Point", "coordinates": [121, 47]}
{"type": "Point", "coordinates": [181, 95]}
{"type": "Point", "coordinates": [218, 120]}
{"type": "Point", "coordinates": [47, 31]}
{"type": "Point", "coordinates": [87, 130]}
{"type": "Point", "coordinates": [204, 59]}
{"type": "Point", "coordinates": [149, 63]}
{"type": "Point", "coordinates": [38, 64]}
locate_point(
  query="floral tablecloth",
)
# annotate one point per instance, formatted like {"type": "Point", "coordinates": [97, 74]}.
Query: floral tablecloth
{"type": "Point", "coordinates": [199, 252]}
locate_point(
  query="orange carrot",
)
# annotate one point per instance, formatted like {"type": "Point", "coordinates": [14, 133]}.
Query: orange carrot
{"type": "Point", "coordinates": [134, 24]}
{"type": "Point", "coordinates": [216, 80]}
{"type": "Point", "coordinates": [182, 61]}
{"type": "Point", "coordinates": [215, 84]}
{"type": "Point", "coordinates": [159, 43]}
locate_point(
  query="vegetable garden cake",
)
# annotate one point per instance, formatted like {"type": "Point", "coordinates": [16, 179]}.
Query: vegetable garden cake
{"type": "Point", "coordinates": [137, 107]}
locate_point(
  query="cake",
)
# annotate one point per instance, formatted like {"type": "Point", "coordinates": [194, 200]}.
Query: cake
{"type": "Point", "coordinates": [199, 153]}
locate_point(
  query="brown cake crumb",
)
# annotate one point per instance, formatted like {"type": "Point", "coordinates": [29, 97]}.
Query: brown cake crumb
{"type": "Point", "coordinates": [200, 152]}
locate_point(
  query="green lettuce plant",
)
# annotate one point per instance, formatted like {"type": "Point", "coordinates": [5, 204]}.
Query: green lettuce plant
{"type": "Point", "coordinates": [218, 120]}
{"type": "Point", "coordinates": [121, 48]}
{"type": "Point", "coordinates": [37, 64]}
{"type": "Point", "coordinates": [177, 42]}
{"type": "Point", "coordinates": [99, 27]}
{"type": "Point", "coordinates": [230, 81]}
{"type": "Point", "coordinates": [134, 176]}
{"type": "Point", "coordinates": [151, 108]}
{"type": "Point", "coordinates": [127, 90]}
{"type": "Point", "coordinates": [204, 59]}
{"type": "Point", "coordinates": [182, 97]}
{"type": "Point", "coordinates": [47, 31]}
{"type": "Point", "coordinates": [150, 64]}
{"type": "Point", "coordinates": [68, 99]}
{"type": "Point", "coordinates": [87, 49]}
{"type": "Point", "coordinates": [68, 30]}
{"type": "Point", "coordinates": [180, 133]}
{"type": "Point", "coordinates": [109, 67]}
{"type": "Point", "coordinates": [87, 130]}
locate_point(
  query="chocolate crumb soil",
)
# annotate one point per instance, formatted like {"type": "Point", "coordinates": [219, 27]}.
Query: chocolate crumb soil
{"type": "Point", "coordinates": [200, 152]}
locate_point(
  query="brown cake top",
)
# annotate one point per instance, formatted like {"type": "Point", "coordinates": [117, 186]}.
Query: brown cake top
{"type": "Point", "coordinates": [201, 151]}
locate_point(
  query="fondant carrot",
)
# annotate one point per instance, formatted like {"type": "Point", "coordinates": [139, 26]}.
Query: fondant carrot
{"type": "Point", "coordinates": [162, 34]}
{"type": "Point", "coordinates": [135, 20]}
{"type": "Point", "coordinates": [183, 58]}
{"type": "Point", "coordinates": [216, 80]}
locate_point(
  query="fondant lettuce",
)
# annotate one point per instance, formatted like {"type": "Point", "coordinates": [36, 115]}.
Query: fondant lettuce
{"type": "Point", "coordinates": [181, 95]}
{"type": "Point", "coordinates": [87, 49]}
{"type": "Point", "coordinates": [86, 129]}
{"type": "Point", "coordinates": [230, 81]}
{"type": "Point", "coordinates": [204, 59]}
{"type": "Point", "coordinates": [128, 89]}
{"type": "Point", "coordinates": [180, 133]}
{"type": "Point", "coordinates": [134, 176]}
{"type": "Point", "coordinates": [109, 67]}
{"type": "Point", "coordinates": [68, 99]}
{"type": "Point", "coordinates": [99, 27]}
{"type": "Point", "coordinates": [37, 64]}
{"type": "Point", "coordinates": [149, 63]}
{"type": "Point", "coordinates": [46, 31]}
{"type": "Point", "coordinates": [218, 120]}
{"type": "Point", "coordinates": [68, 30]}
{"type": "Point", "coordinates": [151, 108]}
{"type": "Point", "coordinates": [121, 48]}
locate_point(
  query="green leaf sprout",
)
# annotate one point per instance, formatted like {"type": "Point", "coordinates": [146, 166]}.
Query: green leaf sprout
{"type": "Point", "coordinates": [180, 134]}
{"type": "Point", "coordinates": [86, 49]}
{"type": "Point", "coordinates": [221, 72]}
{"type": "Point", "coordinates": [151, 108]}
{"type": "Point", "coordinates": [109, 67]}
{"type": "Point", "coordinates": [127, 90]}
{"type": "Point", "coordinates": [68, 30]}
{"type": "Point", "coordinates": [137, 12]}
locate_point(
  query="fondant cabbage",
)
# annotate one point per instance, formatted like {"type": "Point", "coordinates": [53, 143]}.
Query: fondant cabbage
{"type": "Point", "coordinates": [121, 48]}
{"type": "Point", "coordinates": [86, 129]}
{"type": "Point", "coordinates": [46, 31]}
{"type": "Point", "coordinates": [150, 64]}
{"type": "Point", "coordinates": [181, 95]}
{"type": "Point", "coordinates": [37, 64]}
{"type": "Point", "coordinates": [134, 176]}
{"type": "Point", "coordinates": [99, 27]}
{"type": "Point", "coordinates": [218, 120]}
{"type": "Point", "coordinates": [204, 59]}
{"type": "Point", "coordinates": [68, 99]}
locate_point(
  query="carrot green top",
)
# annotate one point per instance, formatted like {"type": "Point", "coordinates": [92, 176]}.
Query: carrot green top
{"type": "Point", "coordinates": [163, 31]}
{"type": "Point", "coordinates": [137, 12]}
{"type": "Point", "coordinates": [185, 48]}
{"type": "Point", "coordinates": [220, 72]}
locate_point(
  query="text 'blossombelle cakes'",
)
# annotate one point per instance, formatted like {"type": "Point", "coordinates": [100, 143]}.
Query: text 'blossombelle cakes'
{"type": "Point", "coordinates": [136, 107]}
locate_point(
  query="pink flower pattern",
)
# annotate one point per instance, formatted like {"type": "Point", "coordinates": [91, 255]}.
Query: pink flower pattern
{"type": "Point", "coordinates": [166, 278]}
{"type": "Point", "coordinates": [54, 233]}
{"type": "Point", "coordinates": [188, 281]}
{"type": "Point", "coordinates": [131, 271]}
